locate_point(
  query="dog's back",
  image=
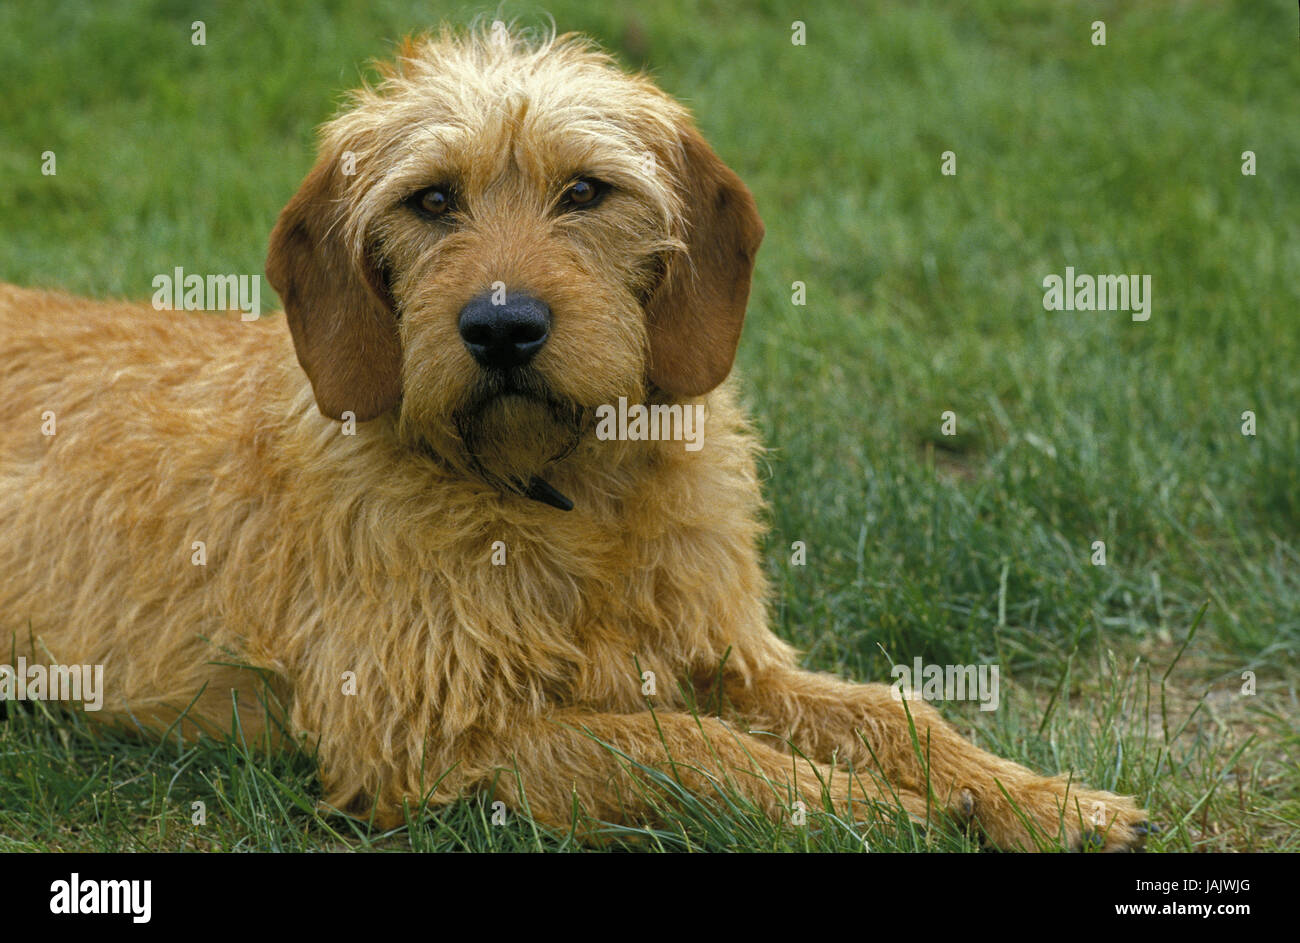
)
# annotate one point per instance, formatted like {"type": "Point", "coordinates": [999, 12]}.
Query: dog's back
{"type": "Point", "coordinates": [120, 468]}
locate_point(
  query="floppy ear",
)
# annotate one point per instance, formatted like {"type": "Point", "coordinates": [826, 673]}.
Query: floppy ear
{"type": "Point", "coordinates": [339, 311]}
{"type": "Point", "coordinates": [696, 312]}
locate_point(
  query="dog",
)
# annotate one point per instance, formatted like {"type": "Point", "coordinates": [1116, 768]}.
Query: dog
{"type": "Point", "coordinates": [397, 519]}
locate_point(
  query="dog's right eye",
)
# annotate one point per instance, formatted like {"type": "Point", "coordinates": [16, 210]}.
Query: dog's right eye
{"type": "Point", "coordinates": [432, 202]}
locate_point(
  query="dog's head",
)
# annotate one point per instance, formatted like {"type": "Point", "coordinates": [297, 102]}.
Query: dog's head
{"type": "Point", "coordinates": [500, 236]}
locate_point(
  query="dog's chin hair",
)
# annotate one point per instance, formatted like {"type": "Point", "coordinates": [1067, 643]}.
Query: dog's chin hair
{"type": "Point", "coordinates": [509, 434]}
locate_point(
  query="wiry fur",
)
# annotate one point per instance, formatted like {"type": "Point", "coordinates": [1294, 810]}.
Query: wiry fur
{"type": "Point", "coordinates": [371, 553]}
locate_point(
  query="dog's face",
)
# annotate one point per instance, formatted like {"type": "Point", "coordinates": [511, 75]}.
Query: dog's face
{"type": "Point", "coordinates": [500, 237]}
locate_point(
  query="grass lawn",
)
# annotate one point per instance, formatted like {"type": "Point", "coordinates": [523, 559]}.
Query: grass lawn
{"type": "Point", "coordinates": [924, 294]}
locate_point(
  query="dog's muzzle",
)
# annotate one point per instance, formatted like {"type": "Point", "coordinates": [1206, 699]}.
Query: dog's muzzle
{"type": "Point", "coordinates": [502, 338]}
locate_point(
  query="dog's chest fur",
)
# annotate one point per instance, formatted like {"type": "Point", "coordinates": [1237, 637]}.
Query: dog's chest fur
{"type": "Point", "coordinates": [475, 604]}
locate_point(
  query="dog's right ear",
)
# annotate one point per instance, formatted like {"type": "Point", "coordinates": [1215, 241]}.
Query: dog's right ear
{"type": "Point", "coordinates": [696, 313]}
{"type": "Point", "coordinates": [339, 311]}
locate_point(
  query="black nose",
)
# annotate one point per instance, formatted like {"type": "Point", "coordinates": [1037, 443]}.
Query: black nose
{"type": "Point", "coordinates": [504, 335]}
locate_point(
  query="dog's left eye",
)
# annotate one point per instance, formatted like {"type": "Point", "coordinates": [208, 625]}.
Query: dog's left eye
{"type": "Point", "coordinates": [433, 201]}
{"type": "Point", "coordinates": [584, 194]}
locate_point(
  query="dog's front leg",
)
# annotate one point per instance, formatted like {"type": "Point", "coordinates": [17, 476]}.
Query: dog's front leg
{"type": "Point", "coordinates": [600, 760]}
{"type": "Point", "coordinates": [868, 727]}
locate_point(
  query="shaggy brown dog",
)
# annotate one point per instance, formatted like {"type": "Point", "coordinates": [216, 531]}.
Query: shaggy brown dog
{"type": "Point", "coordinates": [499, 238]}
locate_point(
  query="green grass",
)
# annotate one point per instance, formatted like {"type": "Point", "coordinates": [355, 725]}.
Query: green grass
{"type": "Point", "coordinates": [923, 295]}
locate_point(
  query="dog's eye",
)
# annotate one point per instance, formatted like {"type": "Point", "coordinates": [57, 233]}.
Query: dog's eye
{"type": "Point", "coordinates": [584, 194]}
{"type": "Point", "coordinates": [433, 201]}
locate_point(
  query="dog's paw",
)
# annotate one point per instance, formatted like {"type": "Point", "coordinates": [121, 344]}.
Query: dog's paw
{"type": "Point", "coordinates": [1052, 814]}
{"type": "Point", "coordinates": [1109, 823]}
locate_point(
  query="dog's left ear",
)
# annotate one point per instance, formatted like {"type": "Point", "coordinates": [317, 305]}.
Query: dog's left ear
{"type": "Point", "coordinates": [696, 312]}
{"type": "Point", "coordinates": [339, 310]}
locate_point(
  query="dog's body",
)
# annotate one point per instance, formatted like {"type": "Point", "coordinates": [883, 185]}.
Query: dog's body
{"type": "Point", "coordinates": [405, 580]}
